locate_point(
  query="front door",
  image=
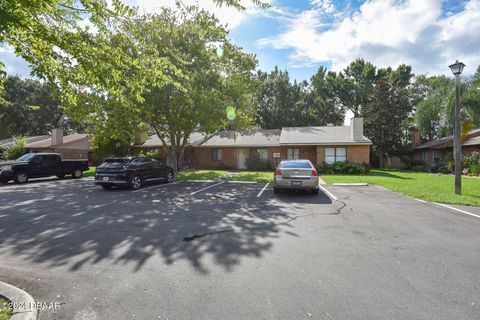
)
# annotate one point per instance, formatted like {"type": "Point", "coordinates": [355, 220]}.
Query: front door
{"type": "Point", "coordinates": [242, 158]}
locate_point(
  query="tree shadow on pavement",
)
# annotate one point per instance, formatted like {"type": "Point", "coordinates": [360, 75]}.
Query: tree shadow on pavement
{"type": "Point", "coordinates": [75, 225]}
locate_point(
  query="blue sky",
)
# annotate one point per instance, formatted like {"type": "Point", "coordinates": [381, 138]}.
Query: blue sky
{"type": "Point", "coordinates": [302, 35]}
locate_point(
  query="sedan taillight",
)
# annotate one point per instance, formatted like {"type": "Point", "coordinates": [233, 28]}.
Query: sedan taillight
{"type": "Point", "coordinates": [314, 173]}
{"type": "Point", "coordinates": [278, 172]}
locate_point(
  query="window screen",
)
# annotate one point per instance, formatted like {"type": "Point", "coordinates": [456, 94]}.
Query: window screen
{"type": "Point", "coordinates": [217, 154]}
{"type": "Point", "coordinates": [333, 155]}
{"type": "Point", "coordinates": [293, 154]}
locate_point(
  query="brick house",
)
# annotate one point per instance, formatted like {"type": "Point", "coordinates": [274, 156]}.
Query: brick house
{"type": "Point", "coordinates": [75, 146]}
{"type": "Point", "coordinates": [434, 151]}
{"type": "Point", "coordinates": [229, 149]}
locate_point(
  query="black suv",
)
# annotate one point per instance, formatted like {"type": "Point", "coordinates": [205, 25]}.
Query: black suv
{"type": "Point", "coordinates": [131, 172]}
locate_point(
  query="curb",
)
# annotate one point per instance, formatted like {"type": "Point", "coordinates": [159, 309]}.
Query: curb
{"type": "Point", "coordinates": [362, 184]}
{"type": "Point", "coordinates": [25, 307]}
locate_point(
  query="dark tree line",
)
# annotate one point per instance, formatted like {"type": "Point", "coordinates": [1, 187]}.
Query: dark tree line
{"type": "Point", "coordinates": [31, 107]}
{"type": "Point", "coordinates": [385, 98]}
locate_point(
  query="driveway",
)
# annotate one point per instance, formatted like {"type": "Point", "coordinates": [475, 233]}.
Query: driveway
{"type": "Point", "coordinates": [194, 250]}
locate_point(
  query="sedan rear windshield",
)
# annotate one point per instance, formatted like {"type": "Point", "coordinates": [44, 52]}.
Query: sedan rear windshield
{"type": "Point", "coordinates": [296, 165]}
{"type": "Point", "coordinates": [116, 162]}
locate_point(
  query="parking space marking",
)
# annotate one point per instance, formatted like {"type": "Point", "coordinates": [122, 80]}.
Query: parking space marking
{"type": "Point", "coordinates": [213, 185]}
{"type": "Point", "coordinates": [456, 209]}
{"type": "Point", "coordinates": [263, 189]}
{"type": "Point", "coordinates": [158, 186]}
{"type": "Point", "coordinates": [328, 193]}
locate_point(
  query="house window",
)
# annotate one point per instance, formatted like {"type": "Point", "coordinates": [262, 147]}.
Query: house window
{"type": "Point", "coordinates": [423, 156]}
{"type": "Point", "coordinates": [437, 156]}
{"type": "Point", "coordinates": [261, 154]}
{"type": "Point", "coordinates": [293, 154]}
{"type": "Point", "coordinates": [333, 155]}
{"type": "Point", "coordinates": [217, 155]}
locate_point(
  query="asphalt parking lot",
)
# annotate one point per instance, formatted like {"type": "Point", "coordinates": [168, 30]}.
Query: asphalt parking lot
{"type": "Point", "coordinates": [210, 250]}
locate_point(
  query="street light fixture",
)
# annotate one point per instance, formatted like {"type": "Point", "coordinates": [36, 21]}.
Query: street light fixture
{"type": "Point", "coordinates": [457, 69]}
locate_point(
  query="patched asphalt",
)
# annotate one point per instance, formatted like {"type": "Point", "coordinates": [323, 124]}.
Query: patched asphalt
{"type": "Point", "coordinates": [175, 252]}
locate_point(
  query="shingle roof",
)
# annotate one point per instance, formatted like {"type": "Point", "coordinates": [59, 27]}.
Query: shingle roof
{"type": "Point", "coordinates": [446, 142]}
{"type": "Point", "coordinates": [271, 138]}
{"type": "Point", "coordinates": [319, 136]}
{"type": "Point", "coordinates": [155, 142]}
{"type": "Point", "coordinates": [472, 142]}
{"type": "Point", "coordinates": [248, 138]}
{"type": "Point", "coordinates": [46, 143]}
{"type": "Point", "coordinates": [5, 143]}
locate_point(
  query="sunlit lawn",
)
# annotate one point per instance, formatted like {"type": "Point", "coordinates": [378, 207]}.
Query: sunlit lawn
{"type": "Point", "coordinates": [200, 174]}
{"type": "Point", "coordinates": [258, 176]}
{"type": "Point", "coordinates": [90, 172]}
{"type": "Point", "coordinates": [425, 186]}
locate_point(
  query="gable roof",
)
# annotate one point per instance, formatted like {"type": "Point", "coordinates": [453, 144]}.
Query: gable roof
{"type": "Point", "coordinates": [475, 141]}
{"type": "Point", "coordinates": [154, 141]}
{"type": "Point", "coordinates": [446, 142]}
{"type": "Point", "coordinates": [270, 138]}
{"type": "Point", "coordinates": [340, 135]}
{"type": "Point", "coordinates": [248, 138]}
{"type": "Point", "coordinates": [47, 143]}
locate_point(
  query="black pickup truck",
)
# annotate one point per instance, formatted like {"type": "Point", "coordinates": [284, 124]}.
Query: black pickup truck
{"type": "Point", "coordinates": [39, 165]}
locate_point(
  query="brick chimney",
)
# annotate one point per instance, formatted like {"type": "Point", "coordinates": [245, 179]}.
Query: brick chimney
{"type": "Point", "coordinates": [57, 136]}
{"type": "Point", "coordinates": [356, 127]}
{"type": "Point", "coordinates": [416, 138]}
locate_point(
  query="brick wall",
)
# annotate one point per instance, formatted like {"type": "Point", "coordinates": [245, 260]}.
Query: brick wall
{"type": "Point", "coordinates": [202, 158]}
{"type": "Point", "coordinates": [358, 154]}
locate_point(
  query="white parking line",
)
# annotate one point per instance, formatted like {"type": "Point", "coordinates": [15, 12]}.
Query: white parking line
{"type": "Point", "coordinates": [213, 185]}
{"type": "Point", "coordinates": [158, 186]}
{"type": "Point", "coordinates": [263, 189]}
{"type": "Point", "coordinates": [456, 209]}
{"type": "Point", "coordinates": [328, 193]}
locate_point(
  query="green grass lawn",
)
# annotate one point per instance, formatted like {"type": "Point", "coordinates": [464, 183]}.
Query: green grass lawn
{"type": "Point", "coordinates": [200, 174]}
{"type": "Point", "coordinates": [4, 313]}
{"type": "Point", "coordinates": [258, 176]}
{"type": "Point", "coordinates": [425, 186]}
{"type": "Point", "coordinates": [90, 172]}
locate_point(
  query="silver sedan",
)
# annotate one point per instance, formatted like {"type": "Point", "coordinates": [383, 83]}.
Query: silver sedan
{"type": "Point", "coordinates": [296, 174]}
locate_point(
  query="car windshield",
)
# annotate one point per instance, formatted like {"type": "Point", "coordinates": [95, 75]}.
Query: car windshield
{"type": "Point", "coordinates": [298, 164]}
{"type": "Point", "coordinates": [26, 157]}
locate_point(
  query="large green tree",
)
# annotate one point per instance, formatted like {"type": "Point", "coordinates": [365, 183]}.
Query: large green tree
{"type": "Point", "coordinates": [31, 107]}
{"type": "Point", "coordinates": [283, 103]}
{"type": "Point", "coordinates": [388, 113]}
{"type": "Point", "coordinates": [192, 79]}
{"type": "Point", "coordinates": [353, 86]}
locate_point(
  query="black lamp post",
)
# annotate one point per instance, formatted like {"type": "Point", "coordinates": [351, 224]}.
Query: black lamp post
{"type": "Point", "coordinates": [457, 69]}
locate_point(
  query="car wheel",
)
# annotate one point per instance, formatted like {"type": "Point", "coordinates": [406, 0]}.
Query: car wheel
{"type": "Point", "coordinates": [106, 186]}
{"type": "Point", "coordinates": [316, 191]}
{"type": "Point", "coordinates": [20, 177]}
{"type": "Point", "coordinates": [170, 177]}
{"type": "Point", "coordinates": [276, 190]}
{"type": "Point", "coordinates": [77, 173]}
{"type": "Point", "coordinates": [3, 181]}
{"type": "Point", "coordinates": [135, 182]}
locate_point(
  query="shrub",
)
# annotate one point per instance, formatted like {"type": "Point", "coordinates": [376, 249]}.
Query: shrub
{"type": "Point", "coordinates": [472, 163]}
{"type": "Point", "coordinates": [342, 168]}
{"type": "Point", "coordinates": [16, 150]}
{"type": "Point", "coordinates": [255, 164]}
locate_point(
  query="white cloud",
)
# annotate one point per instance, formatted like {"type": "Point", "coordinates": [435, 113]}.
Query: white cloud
{"type": "Point", "coordinates": [386, 33]}
{"type": "Point", "coordinates": [227, 15]}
